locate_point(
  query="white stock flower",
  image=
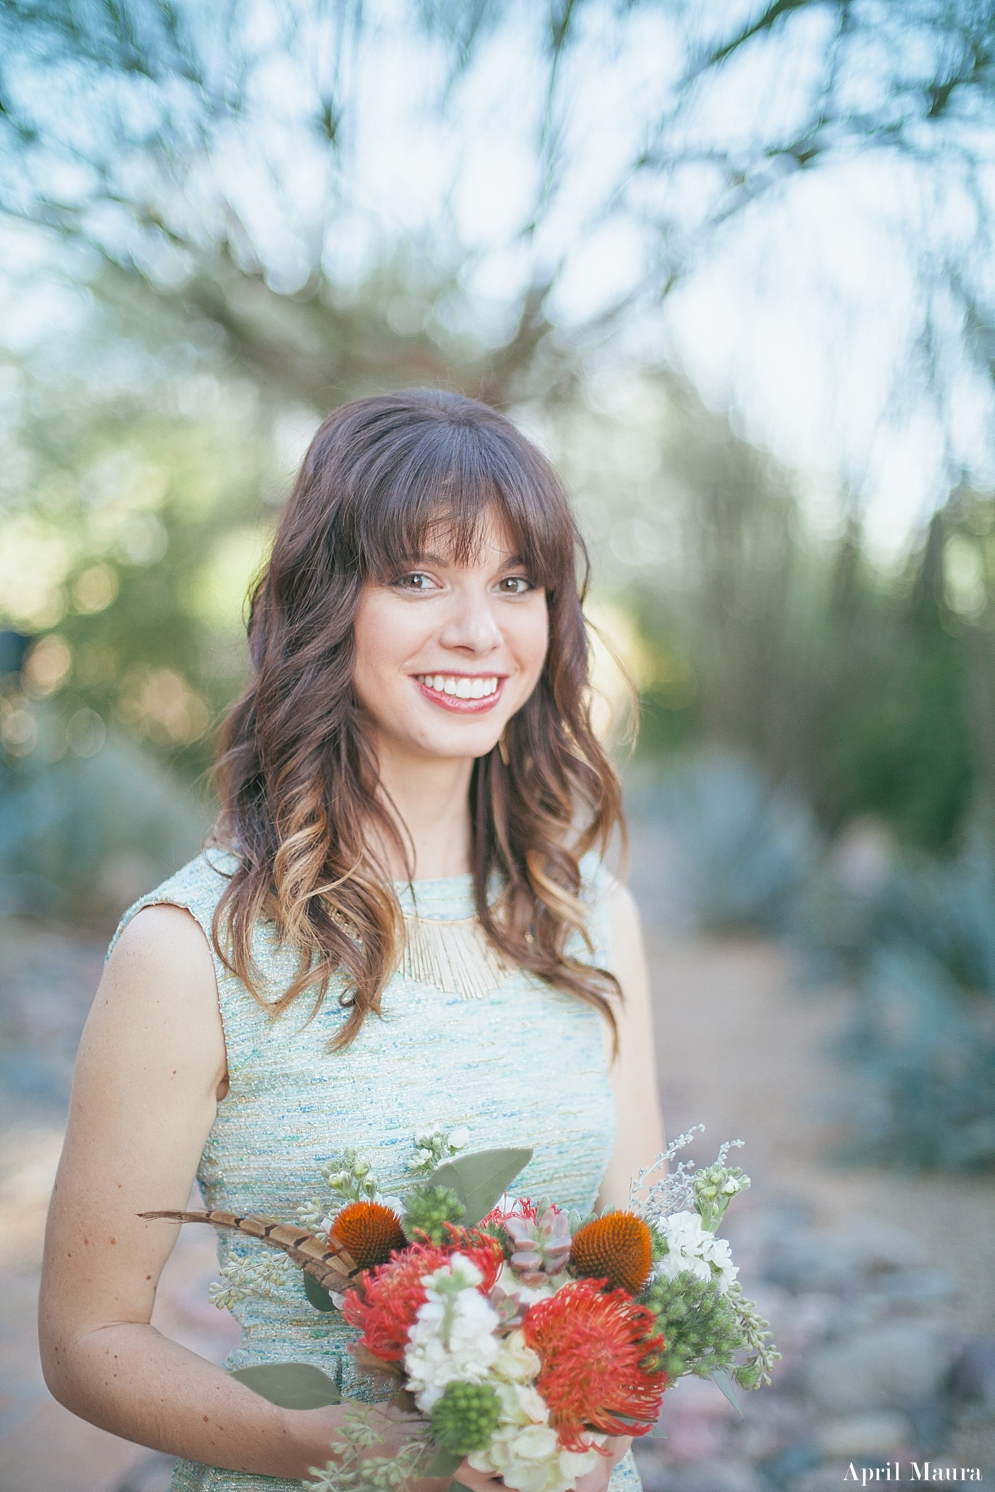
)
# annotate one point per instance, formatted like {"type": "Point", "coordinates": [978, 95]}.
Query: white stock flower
{"type": "Point", "coordinates": [515, 1362]}
{"type": "Point", "coordinates": [459, 1137]}
{"type": "Point", "coordinates": [525, 1450]}
{"type": "Point", "coordinates": [692, 1249]}
{"type": "Point", "coordinates": [396, 1204]}
{"type": "Point", "coordinates": [453, 1337]}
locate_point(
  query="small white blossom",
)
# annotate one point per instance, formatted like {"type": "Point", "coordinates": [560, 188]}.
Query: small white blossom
{"type": "Point", "coordinates": [525, 1450]}
{"type": "Point", "coordinates": [396, 1204]}
{"type": "Point", "coordinates": [437, 1145]}
{"type": "Point", "coordinates": [692, 1249]}
{"type": "Point", "coordinates": [453, 1337]}
{"type": "Point", "coordinates": [516, 1362]}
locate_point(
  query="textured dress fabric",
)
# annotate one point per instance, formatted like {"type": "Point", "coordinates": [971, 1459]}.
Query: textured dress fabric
{"type": "Point", "coordinates": [523, 1064]}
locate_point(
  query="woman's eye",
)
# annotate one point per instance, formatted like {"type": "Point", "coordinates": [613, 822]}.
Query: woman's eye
{"type": "Point", "coordinates": [416, 581]}
{"type": "Point", "coordinates": [515, 585]}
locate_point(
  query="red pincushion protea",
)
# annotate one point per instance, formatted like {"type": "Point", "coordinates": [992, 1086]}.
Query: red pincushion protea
{"type": "Point", "coordinates": [486, 1252]}
{"type": "Point", "coordinates": [385, 1306]}
{"type": "Point", "coordinates": [521, 1207]}
{"type": "Point", "coordinates": [592, 1346]}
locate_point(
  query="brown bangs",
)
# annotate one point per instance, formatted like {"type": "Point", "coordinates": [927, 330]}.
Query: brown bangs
{"type": "Point", "coordinates": [433, 483]}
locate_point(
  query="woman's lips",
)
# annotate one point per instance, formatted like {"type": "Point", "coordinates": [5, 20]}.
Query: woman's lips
{"type": "Point", "coordinates": [458, 704]}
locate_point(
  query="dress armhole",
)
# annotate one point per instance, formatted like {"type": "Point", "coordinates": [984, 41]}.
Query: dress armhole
{"type": "Point", "coordinates": [598, 883]}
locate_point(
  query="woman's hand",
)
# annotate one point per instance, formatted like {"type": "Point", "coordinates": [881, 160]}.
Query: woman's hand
{"type": "Point", "coordinates": [482, 1481]}
{"type": "Point", "coordinates": [395, 1426]}
{"type": "Point", "coordinates": [598, 1479]}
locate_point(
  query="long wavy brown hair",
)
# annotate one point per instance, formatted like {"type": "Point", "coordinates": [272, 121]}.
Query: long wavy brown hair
{"type": "Point", "coordinates": [302, 804]}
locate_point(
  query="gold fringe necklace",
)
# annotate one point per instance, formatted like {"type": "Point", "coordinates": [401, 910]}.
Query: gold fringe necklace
{"type": "Point", "coordinates": [455, 956]}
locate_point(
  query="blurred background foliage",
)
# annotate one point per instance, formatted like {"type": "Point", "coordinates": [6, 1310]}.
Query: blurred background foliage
{"type": "Point", "coordinates": [194, 274]}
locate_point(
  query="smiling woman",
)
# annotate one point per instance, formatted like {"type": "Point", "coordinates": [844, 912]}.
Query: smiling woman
{"type": "Point", "coordinates": [403, 925]}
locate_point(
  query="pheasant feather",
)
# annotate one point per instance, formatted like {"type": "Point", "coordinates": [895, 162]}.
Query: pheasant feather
{"type": "Point", "coordinates": [329, 1264]}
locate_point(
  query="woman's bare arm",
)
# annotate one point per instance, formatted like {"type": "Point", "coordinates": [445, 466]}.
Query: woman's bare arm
{"type": "Point", "coordinates": [150, 1067]}
{"type": "Point", "coordinates": [633, 1074]}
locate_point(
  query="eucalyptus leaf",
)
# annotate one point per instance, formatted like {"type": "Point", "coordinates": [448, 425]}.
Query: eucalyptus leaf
{"type": "Point", "coordinates": [454, 1485]}
{"type": "Point", "coordinates": [291, 1385]}
{"type": "Point", "coordinates": [443, 1463]}
{"type": "Point", "coordinates": [724, 1380]}
{"type": "Point", "coordinates": [317, 1294]}
{"type": "Point", "coordinates": [481, 1179]}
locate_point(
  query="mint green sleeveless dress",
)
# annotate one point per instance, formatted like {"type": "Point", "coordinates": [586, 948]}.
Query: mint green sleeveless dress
{"type": "Point", "coordinates": [523, 1064]}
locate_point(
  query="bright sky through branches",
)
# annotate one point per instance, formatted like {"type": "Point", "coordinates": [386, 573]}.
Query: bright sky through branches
{"type": "Point", "coordinates": [805, 308]}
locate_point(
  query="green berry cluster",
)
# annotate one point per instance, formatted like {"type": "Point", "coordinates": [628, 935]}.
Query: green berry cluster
{"type": "Point", "coordinates": [427, 1209]}
{"type": "Point", "coordinates": [466, 1416]}
{"type": "Point", "coordinates": [659, 1242]}
{"type": "Point", "coordinates": [496, 1230]}
{"type": "Point", "coordinates": [699, 1326]}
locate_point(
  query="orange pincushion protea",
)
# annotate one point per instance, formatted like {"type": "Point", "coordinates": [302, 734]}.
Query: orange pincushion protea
{"type": "Point", "coordinates": [369, 1231]}
{"type": "Point", "coordinates": [617, 1248]}
{"type": "Point", "coordinates": [593, 1347]}
{"type": "Point", "coordinates": [385, 1302]}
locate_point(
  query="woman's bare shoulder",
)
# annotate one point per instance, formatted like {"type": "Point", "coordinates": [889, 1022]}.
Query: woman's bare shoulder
{"type": "Point", "coordinates": [160, 977]}
{"type": "Point", "coordinates": [162, 930]}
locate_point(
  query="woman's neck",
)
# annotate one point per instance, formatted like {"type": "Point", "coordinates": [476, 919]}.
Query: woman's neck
{"type": "Point", "coordinates": [430, 798]}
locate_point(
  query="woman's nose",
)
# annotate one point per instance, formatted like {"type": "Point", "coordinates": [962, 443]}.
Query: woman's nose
{"type": "Point", "coordinates": [471, 624]}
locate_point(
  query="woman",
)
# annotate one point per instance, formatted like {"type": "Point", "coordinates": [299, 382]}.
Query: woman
{"type": "Point", "coordinates": [403, 923]}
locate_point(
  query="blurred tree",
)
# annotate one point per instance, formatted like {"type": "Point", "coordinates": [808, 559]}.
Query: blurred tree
{"type": "Point", "coordinates": [138, 127]}
{"type": "Point", "coordinates": [867, 694]}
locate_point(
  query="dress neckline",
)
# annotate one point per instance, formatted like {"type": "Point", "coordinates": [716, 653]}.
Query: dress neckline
{"type": "Point", "coordinates": [441, 898]}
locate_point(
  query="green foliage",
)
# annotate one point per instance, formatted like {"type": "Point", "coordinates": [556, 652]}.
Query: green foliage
{"type": "Point", "coordinates": [127, 561]}
{"type": "Point", "coordinates": [918, 950]}
{"type": "Point", "coordinates": [869, 694]}
{"type": "Point", "coordinates": [318, 1296]}
{"type": "Point", "coordinates": [466, 1416]}
{"type": "Point", "coordinates": [659, 1242]}
{"type": "Point", "coordinates": [496, 1231]}
{"type": "Point", "coordinates": [919, 1053]}
{"type": "Point", "coordinates": [699, 1326]}
{"type": "Point", "coordinates": [86, 835]}
{"type": "Point", "coordinates": [427, 1210]}
{"type": "Point", "coordinates": [292, 1385]}
{"type": "Point", "coordinates": [481, 1179]}
{"type": "Point", "coordinates": [355, 1469]}
{"type": "Point", "coordinates": [737, 850]}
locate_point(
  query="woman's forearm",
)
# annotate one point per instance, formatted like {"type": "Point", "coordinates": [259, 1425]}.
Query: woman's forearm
{"type": "Point", "coordinates": [129, 1379]}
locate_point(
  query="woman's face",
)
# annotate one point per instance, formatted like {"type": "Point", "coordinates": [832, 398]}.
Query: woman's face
{"type": "Point", "coordinates": [446, 653]}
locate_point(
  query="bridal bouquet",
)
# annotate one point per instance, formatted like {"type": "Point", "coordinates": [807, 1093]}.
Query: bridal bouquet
{"type": "Point", "coordinates": [522, 1334]}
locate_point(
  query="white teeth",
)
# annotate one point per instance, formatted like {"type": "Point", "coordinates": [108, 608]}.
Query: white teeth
{"type": "Point", "coordinates": [462, 687]}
